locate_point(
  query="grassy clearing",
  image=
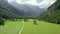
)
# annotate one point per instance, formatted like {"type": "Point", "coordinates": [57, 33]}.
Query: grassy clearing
{"type": "Point", "coordinates": [11, 27]}
{"type": "Point", "coordinates": [41, 28]}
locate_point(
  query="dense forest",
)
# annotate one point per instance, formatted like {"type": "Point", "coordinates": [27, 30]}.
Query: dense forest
{"type": "Point", "coordinates": [52, 14]}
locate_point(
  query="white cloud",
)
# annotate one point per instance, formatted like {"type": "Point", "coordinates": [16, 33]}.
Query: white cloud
{"type": "Point", "coordinates": [46, 3]}
{"type": "Point", "coordinates": [18, 1]}
{"type": "Point", "coordinates": [10, 0]}
{"type": "Point", "coordinates": [42, 4]}
{"type": "Point", "coordinates": [33, 2]}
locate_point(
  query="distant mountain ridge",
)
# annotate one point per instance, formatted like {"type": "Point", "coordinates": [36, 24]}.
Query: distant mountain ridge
{"type": "Point", "coordinates": [28, 10]}
{"type": "Point", "coordinates": [19, 9]}
{"type": "Point", "coordinates": [5, 5]}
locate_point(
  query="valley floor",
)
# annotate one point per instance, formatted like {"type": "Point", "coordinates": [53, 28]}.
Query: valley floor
{"type": "Point", "coordinates": [14, 27]}
{"type": "Point", "coordinates": [11, 27]}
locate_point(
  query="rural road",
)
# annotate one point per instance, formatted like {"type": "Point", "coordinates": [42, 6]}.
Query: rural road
{"type": "Point", "coordinates": [22, 27]}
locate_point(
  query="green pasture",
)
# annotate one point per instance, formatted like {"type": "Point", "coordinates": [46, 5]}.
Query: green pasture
{"type": "Point", "coordinates": [13, 27]}
{"type": "Point", "coordinates": [41, 28]}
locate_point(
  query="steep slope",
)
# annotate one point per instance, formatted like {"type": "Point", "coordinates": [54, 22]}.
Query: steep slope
{"type": "Point", "coordinates": [26, 9]}
{"type": "Point", "coordinates": [53, 13]}
{"type": "Point", "coordinates": [19, 9]}
{"type": "Point", "coordinates": [5, 5]}
{"type": "Point", "coordinates": [6, 10]}
{"type": "Point", "coordinates": [7, 14]}
{"type": "Point", "coordinates": [35, 9]}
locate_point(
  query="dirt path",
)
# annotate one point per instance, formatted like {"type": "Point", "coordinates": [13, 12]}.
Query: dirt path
{"type": "Point", "coordinates": [21, 28]}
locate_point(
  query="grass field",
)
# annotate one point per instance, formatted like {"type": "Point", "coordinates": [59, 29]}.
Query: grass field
{"type": "Point", "coordinates": [41, 28]}
{"type": "Point", "coordinates": [13, 27]}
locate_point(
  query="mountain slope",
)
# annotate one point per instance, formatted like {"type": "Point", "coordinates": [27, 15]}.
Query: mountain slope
{"type": "Point", "coordinates": [53, 13]}
{"type": "Point", "coordinates": [7, 14]}
{"type": "Point", "coordinates": [19, 9]}
{"type": "Point", "coordinates": [5, 5]}
{"type": "Point", "coordinates": [6, 10]}
{"type": "Point", "coordinates": [26, 9]}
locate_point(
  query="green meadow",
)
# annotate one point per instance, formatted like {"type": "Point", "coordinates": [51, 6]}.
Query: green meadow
{"type": "Point", "coordinates": [13, 27]}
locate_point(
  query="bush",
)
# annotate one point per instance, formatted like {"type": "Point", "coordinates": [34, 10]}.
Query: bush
{"type": "Point", "coordinates": [35, 22]}
{"type": "Point", "coordinates": [1, 21]}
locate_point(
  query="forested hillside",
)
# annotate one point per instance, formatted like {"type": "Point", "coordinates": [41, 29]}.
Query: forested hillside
{"type": "Point", "coordinates": [52, 14]}
{"type": "Point", "coordinates": [6, 14]}
{"type": "Point", "coordinates": [7, 11]}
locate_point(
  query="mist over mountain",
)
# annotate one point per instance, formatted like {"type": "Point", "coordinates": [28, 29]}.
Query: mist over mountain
{"type": "Point", "coordinates": [5, 5]}
{"type": "Point", "coordinates": [20, 9]}
{"type": "Point", "coordinates": [28, 10]}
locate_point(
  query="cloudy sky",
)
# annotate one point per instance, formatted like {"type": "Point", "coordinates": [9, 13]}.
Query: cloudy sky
{"type": "Point", "coordinates": [39, 3]}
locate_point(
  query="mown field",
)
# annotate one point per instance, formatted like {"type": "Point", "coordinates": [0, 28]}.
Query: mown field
{"type": "Point", "coordinates": [41, 28]}
{"type": "Point", "coordinates": [13, 27]}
